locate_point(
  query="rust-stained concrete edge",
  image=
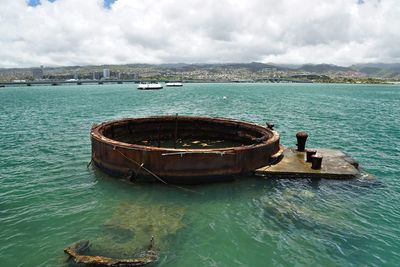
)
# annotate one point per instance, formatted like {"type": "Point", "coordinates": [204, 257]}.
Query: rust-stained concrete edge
{"type": "Point", "coordinates": [335, 165]}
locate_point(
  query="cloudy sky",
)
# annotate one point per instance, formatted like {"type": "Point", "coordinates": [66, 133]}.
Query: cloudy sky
{"type": "Point", "coordinates": [82, 32]}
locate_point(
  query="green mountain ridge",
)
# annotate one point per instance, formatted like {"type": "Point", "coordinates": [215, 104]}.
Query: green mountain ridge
{"type": "Point", "coordinates": [221, 71]}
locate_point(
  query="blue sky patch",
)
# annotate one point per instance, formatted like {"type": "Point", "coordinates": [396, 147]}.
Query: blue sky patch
{"type": "Point", "coordinates": [109, 3]}
{"type": "Point", "coordinates": [33, 2]}
{"type": "Point", "coordinates": [106, 3]}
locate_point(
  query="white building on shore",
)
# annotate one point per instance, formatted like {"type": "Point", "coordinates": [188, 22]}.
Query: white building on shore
{"type": "Point", "coordinates": [106, 73]}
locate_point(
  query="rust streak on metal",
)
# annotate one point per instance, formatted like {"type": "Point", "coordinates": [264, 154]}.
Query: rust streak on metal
{"type": "Point", "coordinates": [176, 130]}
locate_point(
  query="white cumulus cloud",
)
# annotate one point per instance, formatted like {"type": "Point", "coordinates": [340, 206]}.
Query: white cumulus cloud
{"type": "Point", "coordinates": [76, 32]}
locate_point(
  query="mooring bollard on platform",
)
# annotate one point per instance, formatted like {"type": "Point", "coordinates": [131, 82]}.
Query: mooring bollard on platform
{"type": "Point", "coordinates": [301, 141]}
{"type": "Point", "coordinates": [316, 162]}
{"type": "Point", "coordinates": [309, 154]}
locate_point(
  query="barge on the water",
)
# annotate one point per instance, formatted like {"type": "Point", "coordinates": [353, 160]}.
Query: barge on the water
{"type": "Point", "coordinates": [149, 86]}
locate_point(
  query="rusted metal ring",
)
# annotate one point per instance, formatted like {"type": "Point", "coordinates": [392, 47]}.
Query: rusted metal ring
{"type": "Point", "coordinates": [114, 154]}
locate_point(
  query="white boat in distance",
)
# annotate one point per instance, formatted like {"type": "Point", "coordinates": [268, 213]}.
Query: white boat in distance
{"type": "Point", "coordinates": [149, 86]}
{"type": "Point", "coordinates": [176, 84]}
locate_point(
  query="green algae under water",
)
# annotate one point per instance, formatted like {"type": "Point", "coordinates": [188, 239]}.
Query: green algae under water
{"type": "Point", "coordinates": [49, 199]}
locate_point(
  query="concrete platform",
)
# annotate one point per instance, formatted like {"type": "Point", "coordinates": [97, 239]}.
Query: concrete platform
{"type": "Point", "coordinates": [335, 165]}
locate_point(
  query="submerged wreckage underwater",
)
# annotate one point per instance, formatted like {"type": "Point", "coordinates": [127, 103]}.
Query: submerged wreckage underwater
{"type": "Point", "coordinates": [190, 150]}
{"type": "Point", "coordinates": [130, 237]}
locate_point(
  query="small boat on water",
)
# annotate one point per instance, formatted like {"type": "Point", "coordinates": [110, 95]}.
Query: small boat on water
{"type": "Point", "coordinates": [174, 84]}
{"type": "Point", "coordinates": [149, 86]}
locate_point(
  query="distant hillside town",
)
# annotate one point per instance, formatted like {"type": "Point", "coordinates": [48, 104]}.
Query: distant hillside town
{"type": "Point", "coordinates": [233, 72]}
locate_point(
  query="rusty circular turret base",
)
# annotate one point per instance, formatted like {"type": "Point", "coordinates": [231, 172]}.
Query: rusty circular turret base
{"type": "Point", "coordinates": [181, 149]}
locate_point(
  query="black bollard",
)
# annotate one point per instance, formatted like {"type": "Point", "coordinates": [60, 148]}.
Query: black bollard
{"type": "Point", "coordinates": [301, 140]}
{"type": "Point", "coordinates": [270, 125]}
{"type": "Point", "coordinates": [309, 153]}
{"type": "Point", "coordinates": [316, 162]}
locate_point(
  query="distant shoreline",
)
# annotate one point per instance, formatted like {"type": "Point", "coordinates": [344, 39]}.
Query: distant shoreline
{"type": "Point", "coordinates": [101, 82]}
{"type": "Point", "coordinates": [215, 73]}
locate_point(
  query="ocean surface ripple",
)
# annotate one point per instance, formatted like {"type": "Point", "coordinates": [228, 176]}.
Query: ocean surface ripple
{"type": "Point", "coordinates": [50, 199]}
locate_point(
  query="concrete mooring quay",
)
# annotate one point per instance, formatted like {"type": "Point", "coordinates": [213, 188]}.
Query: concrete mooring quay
{"type": "Point", "coordinates": [292, 164]}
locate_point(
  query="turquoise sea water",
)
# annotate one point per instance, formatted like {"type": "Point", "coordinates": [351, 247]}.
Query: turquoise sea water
{"type": "Point", "coordinates": [50, 199]}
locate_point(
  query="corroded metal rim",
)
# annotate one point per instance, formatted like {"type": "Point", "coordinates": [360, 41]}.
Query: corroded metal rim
{"type": "Point", "coordinates": [97, 133]}
{"type": "Point", "coordinates": [122, 158]}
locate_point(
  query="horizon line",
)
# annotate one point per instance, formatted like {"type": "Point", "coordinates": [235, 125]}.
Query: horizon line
{"type": "Point", "coordinates": [199, 63]}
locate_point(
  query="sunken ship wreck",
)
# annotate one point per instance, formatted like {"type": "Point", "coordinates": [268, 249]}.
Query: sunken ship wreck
{"type": "Point", "coordinates": [181, 149]}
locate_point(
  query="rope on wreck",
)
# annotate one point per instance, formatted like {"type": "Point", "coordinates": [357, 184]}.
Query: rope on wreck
{"type": "Point", "coordinates": [152, 173]}
{"type": "Point", "coordinates": [141, 166]}
{"type": "Point", "coordinates": [90, 163]}
{"type": "Point", "coordinates": [181, 153]}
